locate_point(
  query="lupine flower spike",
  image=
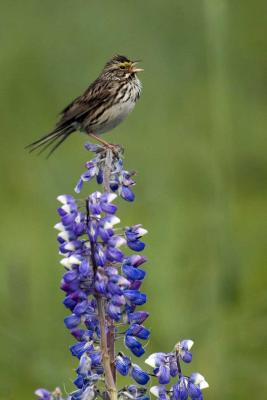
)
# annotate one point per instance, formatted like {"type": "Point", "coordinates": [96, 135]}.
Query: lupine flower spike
{"type": "Point", "coordinates": [102, 284]}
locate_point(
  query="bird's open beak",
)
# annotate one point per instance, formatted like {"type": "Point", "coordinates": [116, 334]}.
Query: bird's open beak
{"type": "Point", "coordinates": [137, 70]}
{"type": "Point", "coordinates": [134, 69]}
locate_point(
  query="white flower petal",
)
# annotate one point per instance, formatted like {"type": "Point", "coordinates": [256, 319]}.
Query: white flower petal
{"type": "Point", "coordinates": [155, 391]}
{"type": "Point", "coordinates": [70, 246]}
{"type": "Point", "coordinates": [66, 208]}
{"type": "Point", "coordinates": [64, 235]}
{"type": "Point", "coordinates": [151, 360]}
{"type": "Point", "coordinates": [189, 343]}
{"type": "Point", "coordinates": [63, 199]}
{"type": "Point", "coordinates": [158, 391]}
{"type": "Point", "coordinates": [59, 226]}
{"type": "Point", "coordinates": [66, 262]}
{"type": "Point", "coordinates": [199, 380]}
{"type": "Point", "coordinates": [203, 385]}
{"type": "Point", "coordinates": [111, 197]}
{"type": "Point", "coordinates": [120, 242]}
{"type": "Point", "coordinates": [142, 231]}
{"type": "Point", "coordinates": [75, 260]}
{"type": "Point", "coordinates": [113, 220]}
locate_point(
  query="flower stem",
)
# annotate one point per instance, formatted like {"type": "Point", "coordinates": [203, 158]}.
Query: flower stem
{"type": "Point", "coordinates": [111, 327]}
{"type": "Point", "coordinates": [107, 169]}
{"type": "Point", "coordinates": [109, 380]}
{"type": "Point", "coordinates": [111, 346]}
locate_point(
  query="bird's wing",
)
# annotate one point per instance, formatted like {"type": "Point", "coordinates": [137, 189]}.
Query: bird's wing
{"type": "Point", "coordinates": [92, 98]}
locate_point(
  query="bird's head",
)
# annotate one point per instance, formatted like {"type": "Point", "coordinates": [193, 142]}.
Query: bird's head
{"type": "Point", "coordinates": [120, 67]}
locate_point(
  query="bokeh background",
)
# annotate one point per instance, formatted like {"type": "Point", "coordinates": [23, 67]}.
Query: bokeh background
{"type": "Point", "coordinates": [198, 141]}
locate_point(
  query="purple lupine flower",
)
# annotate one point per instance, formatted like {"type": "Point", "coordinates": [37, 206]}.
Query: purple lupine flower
{"type": "Point", "coordinates": [135, 297]}
{"type": "Point", "coordinates": [138, 331]}
{"type": "Point", "coordinates": [133, 273]}
{"type": "Point", "coordinates": [136, 260]}
{"type": "Point", "coordinates": [88, 271]}
{"type": "Point", "coordinates": [189, 387]}
{"type": "Point", "coordinates": [164, 374]}
{"type": "Point", "coordinates": [86, 393]}
{"type": "Point", "coordinates": [133, 392]}
{"type": "Point", "coordinates": [79, 382]}
{"type": "Point", "coordinates": [183, 348]}
{"type": "Point", "coordinates": [126, 193]}
{"type": "Point", "coordinates": [122, 364]}
{"type": "Point", "coordinates": [82, 335]}
{"type": "Point", "coordinates": [43, 394]}
{"type": "Point", "coordinates": [159, 392]}
{"type": "Point", "coordinates": [72, 321]}
{"type": "Point", "coordinates": [164, 366]}
{"type": "Point", "coordinates": [198, 380]}
{"type": "Point", "coordinates": [133, 234]}
{"type": "Point", "coordinates": [114, 312]}
{"type": "Point", "coordinates": [78, 349]}
{"type": "Point", "coordinates": [120, 180]}
{"type": "Point", "coordinates": [132, 344]}
{"type": "Point", "coordinates": [155, 360]}
{"type": "Point", "coordinates": [180, 389]}
{"type": "Point", "coordinates": [138, 317]}
{"type": "Point", "coordinates": [97, 269]}
{"type": "Point", "coordinates": [139, 375]}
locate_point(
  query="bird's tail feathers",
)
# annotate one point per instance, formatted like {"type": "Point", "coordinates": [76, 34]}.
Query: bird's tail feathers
{"type": "Point", "coordinates": [55, 138]}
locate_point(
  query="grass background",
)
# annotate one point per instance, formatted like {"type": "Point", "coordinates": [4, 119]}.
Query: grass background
{"type": "Point", "coordinates": [198, 141]}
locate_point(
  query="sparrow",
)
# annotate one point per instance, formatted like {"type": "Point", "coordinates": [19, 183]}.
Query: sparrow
{"type": "Point", "coordinates": [103, 105]}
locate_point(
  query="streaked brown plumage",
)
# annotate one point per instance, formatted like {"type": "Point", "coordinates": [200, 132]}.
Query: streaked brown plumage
{"type": "Point", "coordinates": [106, 102]}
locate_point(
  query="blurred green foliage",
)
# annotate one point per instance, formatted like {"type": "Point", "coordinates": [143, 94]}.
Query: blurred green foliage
{"type": "Point", "coordinates": [197, 140]}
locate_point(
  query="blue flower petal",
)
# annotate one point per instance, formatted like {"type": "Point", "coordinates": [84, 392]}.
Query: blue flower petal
{"type": "Point", "coordinates": [114, 254]}
{"type": "Point", "coordinates": [138, 331]}
{"type": "Point", "coordinates": [80, 308]}
{"type": "Point", "coordinates": [136, 260]}
{"type": "Point", "coordinates": [79, 382]}
{"type": "Point", "coordinates": [163, 374]}
{"type": "Point", "coordinates": [43, 394]}
{"type": "Point", "coordinates": [139, 375]}
{"type": "Point", "coordinates": [138, 317]}
{"type": "Point", "coordinates": [133, 344]}
{"type": "Point", "coordinates": [79, 186]}
{"type": "Point", "coordinates": [122, 364]}
{"type": "Point", "coordinates": [136, 245]}
{"type": "Point", "coordinates": [114, 312]}
{"type": "Point", "coordinates": [84, 365]}
{"type": "Point", "coordinates": [78, 349]}
{"type": "Point", "coordinates": [186, 356]}
{"type": "Point", "coordinates": [127, 194]}
{"type": "Point", "coordinates": [133, 273]}
{"type": "Point", "coordinates": [135, 296]}
{"type": "Point", "coordinates": [72, 321]}
{"type": "Point", "coordinates": [194, 391]}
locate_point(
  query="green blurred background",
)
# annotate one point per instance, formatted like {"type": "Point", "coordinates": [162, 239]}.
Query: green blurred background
{"type": "Point", "coordinates": [197, 140]}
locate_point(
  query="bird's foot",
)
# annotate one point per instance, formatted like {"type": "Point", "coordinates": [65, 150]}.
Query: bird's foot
{"type": "Point", "coordinates": [115, 148]}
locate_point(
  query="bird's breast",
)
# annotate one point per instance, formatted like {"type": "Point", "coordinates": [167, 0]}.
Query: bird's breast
{"type": "Point", "coordinates": [111, 113]}
{"type": "Point", "coordinates": [112, 117]}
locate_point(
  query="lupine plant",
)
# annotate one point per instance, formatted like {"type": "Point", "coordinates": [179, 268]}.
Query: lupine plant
{"type": "Point", "coordinates": [102, 282]}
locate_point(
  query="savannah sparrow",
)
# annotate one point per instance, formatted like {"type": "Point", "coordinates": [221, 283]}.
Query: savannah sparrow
{"type": "Point", "coordinates": [106, 102]}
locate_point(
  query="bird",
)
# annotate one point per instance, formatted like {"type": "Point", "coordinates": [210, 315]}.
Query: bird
{"type": "Point", "coordinates": [103, 105]}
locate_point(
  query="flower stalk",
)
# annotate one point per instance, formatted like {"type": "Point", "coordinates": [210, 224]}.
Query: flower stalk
{"type": "Point", "coordinates": [109, 377]}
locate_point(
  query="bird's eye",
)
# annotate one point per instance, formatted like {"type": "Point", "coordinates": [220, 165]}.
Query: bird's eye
{"type": "Point", "coordinates": [122, 66]}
